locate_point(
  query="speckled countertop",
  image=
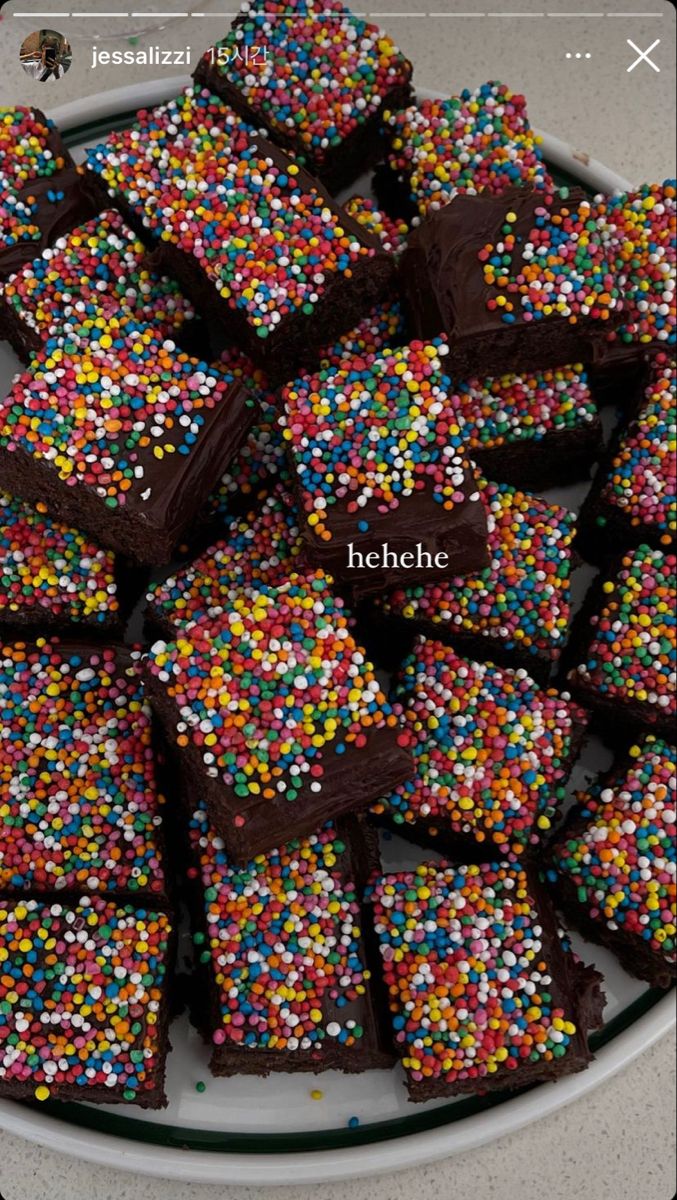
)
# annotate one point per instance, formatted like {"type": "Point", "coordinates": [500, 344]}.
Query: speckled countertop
{"type": "Point", "coordinates": [618, 1142]}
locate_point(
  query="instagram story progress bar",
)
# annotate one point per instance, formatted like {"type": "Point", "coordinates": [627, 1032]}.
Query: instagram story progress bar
{"type": "Point", "coordinates": [89, 21]}
{"type": "Point", "coordinates": [140, 17]}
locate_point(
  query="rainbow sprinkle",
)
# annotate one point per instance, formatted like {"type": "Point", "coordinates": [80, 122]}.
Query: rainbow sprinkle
{"type": "Point", "coordinates": [282, 944]}
{"type": "Point", "coordinates": [17, 222]}
{"type": "Point", "coordinates": [492, 751]}
{"type": "Point", "coordinates": [383, 327]}
{"type": "Point", "coordinates": [262, 549]}
{"type": "Point", "coordinates": [618, 859]}
{"type": "Point", "coordinates": [519, 408]}
{"type": "Point", "coordinates": [49, 572]}
{"type": "Point", "coordinates": [479, 140]}
{"type": "Point", "coordinates": [268, 241]}
{"type": "Point", "coordinates": [470, 987]}
{"type": "Point", "coordinates": [103, 410]}
{"type": "Point", "coordinates": [27, 147]}
{"type": "Point", "coordinates": [631, 657]}
{"type": "Point", "coordinates": [79, 809]}
{"type": "Point", "coordinates": [522, 601]}
{"type": "Point", "coordinates": [641, 483]}
{"type": "Point", "coordinates": [261, 462]}
{"type": "Point", "coordinates": [312, 72]}
{"type": "Point", "coordinates": [82, 1001]}
{"type": "Point", "coordinates": [302, 689]}
{"type": "Point", "coordinates": [559, 268]}
{"type": "Point", "coordinates": [134, 163]}
{"type": "Point", "coordinates": [392, 232]}
{"type": "Point", "coordinates": [31, 153]}
{"type": "Point", "coordinates": [259, 465]}
{"type": "Point", "coordinates": [98, 268]}
{"type": "Point", "coordinates": [370, 434]}
{"type": "Point", "coordinates": [640, 230]}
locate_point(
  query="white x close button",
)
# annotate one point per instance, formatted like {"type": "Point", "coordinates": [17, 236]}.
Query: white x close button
{"type": "Point", "coordinates": [644, 55]}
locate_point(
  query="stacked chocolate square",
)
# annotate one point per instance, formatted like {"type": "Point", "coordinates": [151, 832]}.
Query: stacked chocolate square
{"type": "Point", "coordinates": [325, 421]}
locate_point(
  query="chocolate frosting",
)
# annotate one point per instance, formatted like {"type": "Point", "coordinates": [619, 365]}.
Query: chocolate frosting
{"type": "Point", "coordinates": [419, 519]}
{"type": "Point", "coordinates": [350, 782]}
{"type": "Point", "coordinates": [52, 219]}
{"type": "Point", "coordinates": [146, 529]}
{"type": "Point", "coordinates": [444, 284]}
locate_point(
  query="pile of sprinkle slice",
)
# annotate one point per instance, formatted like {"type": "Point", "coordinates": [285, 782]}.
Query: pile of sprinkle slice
{"type": "Point", "coordinates": [374, 432]}
{"type": "Point", "coordinates": [641, 482]}
{"type": "Point", "coordinates": [134, 163]}
{"type": "Point", "coordinates": [26, 157]}
{"type": "Point", "coordinates": [49, 570]}
{"type": "Point", "coordinates": [98, 267]}
{"type": "Point", "coordinates": [25, 151]}
{"type": "Point", "coordinates": [102, 407]}
{"type": "Point", "coordinates": [392, 232]}
{"type": "Point", "coordinates": [512, 409]}
{"type": "Point", "coordinates": [265, 237]}
{"type": "Point", "coordinates": [640, 231]}
{"type": "Point", "coordinates": [632, 653]}
{"type": "Point", "coordinates": [560, 268]}
{"type": "Point", "coordinates": [263, 548]}
{"type": "Point", "coordinates": [313, 69]}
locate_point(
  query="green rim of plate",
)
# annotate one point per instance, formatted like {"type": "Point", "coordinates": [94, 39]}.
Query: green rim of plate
{"type": "Point", "coordinates": [175, 1136]}
{"type": "Point", "coordinates": [219, 1141]}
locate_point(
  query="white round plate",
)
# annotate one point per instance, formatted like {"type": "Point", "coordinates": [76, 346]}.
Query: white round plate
{"type": "Point", "coordinates": [259, 1131]}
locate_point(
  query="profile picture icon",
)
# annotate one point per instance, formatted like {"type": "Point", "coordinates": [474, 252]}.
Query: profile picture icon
{"type": "Point", "coordinates": [45, 54]}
